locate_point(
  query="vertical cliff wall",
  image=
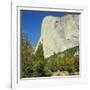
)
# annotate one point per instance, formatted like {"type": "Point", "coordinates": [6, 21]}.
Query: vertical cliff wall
{"type": "Point", "coordinates": [59, 33]}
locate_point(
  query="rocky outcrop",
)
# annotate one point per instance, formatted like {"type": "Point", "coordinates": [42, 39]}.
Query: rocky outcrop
{"type": "Point", "coordinates": [60, 73]}
{"type": "Point", "coordinates": [59, 33]}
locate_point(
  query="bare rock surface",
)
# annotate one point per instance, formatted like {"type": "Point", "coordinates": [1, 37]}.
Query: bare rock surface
{"type": "Point", "coordinates": [59, 33]}
{"type": "Point", "coordinates": [61, 73]}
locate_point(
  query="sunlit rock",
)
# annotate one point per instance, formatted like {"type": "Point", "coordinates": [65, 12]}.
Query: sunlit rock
{"type": "Point", "coordinates": [59, 33]}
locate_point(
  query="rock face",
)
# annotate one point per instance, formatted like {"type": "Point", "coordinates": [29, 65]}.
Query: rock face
{"type": "Point", "coordinates": [59, 33]}
{"type": "Point", "coordinates": [61, 73]}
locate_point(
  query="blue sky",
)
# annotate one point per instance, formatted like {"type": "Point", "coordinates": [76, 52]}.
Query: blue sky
{"type": "Point", "coordinates": [31, 24]}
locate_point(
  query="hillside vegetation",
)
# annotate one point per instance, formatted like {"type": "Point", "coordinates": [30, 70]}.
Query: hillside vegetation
{"type": "Point", "coordinates": [34, 65]}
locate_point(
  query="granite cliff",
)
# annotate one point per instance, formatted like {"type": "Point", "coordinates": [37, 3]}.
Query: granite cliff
{"type": "Point", "coordinates": [59, 33]}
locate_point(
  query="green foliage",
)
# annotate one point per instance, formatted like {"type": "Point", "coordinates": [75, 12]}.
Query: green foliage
{"type": "Point", "coordinates": [39, 62]}
{"type": "Point", "coordinates": [34, 65]}
{"type": "Point", "coordinates": [26, 58]}
{"type": "Point", "coordinates": [69, 62]}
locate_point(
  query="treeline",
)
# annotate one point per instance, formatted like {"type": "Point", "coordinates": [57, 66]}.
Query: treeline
{"type": "Point", "coordinates": [34, 65]}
